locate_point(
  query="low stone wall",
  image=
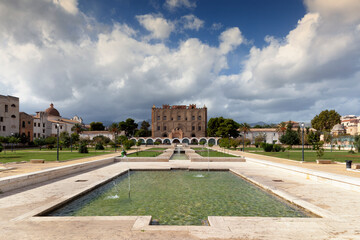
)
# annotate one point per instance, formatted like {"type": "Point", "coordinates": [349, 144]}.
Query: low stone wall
{"type": "Point", "coordinates": [142, 159]}
{"type": "Point", "coordinates": [218, 159]}
{"type": "Point", "coordinates": [194, 157]}
{"type": "Point", "coordinates": [18, 181]}
{"type": "Point", "coordinates": [164, 157]}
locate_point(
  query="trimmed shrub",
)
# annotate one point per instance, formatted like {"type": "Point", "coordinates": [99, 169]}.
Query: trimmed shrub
{"type": "Point", "coordinates": [276, 148]}
{"type": "Point", "coordinates": [99, 146]}
{"type": "Point", "coordinates": [83, 148]}
{"type": "Point", "coordinates": [1, 147]}
{"type": "Point", "coordinates": [267, 147]}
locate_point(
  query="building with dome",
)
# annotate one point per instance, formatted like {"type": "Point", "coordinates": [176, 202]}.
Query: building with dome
{"type": "Point", "coordinates": [338, 129]}
{"type": "Point", "coordinates": [46, 122]}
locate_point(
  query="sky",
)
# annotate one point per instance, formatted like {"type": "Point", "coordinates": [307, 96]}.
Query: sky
{"type": "Point", "coordinates": [249, 60]}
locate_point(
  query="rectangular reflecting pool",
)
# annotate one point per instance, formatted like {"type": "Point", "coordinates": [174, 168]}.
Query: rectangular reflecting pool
{"type": "Point", "coordinates": [179, 197]}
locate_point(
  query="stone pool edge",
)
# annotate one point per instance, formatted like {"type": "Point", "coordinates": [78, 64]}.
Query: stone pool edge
{"type": "Point", "coordinates": [144, 222]}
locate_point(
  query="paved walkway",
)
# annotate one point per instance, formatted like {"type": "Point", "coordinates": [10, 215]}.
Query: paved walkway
{"type": "Point", "coordinates": [338, 207]}
{"type": "Point", "coordinates": [21, 168]}
{"type": "Point", "coordinates": [337, 168]}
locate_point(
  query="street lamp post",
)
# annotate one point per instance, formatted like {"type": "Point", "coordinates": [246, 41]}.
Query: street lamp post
{"type": "Point", "coordinates": [330, 142]}
{"type": "Point", "coordinates": [244, 142]}
{"type": "Point", "coordinates": [115, 141]}
{"type": "Point", "coordinates": [70, 142]}
{"type": "Point", "coordinates": [57, 152]}
{"type": "Point", "coordinates": [12, 143]}
{"type": "Point", "coordinates": [302, 127]}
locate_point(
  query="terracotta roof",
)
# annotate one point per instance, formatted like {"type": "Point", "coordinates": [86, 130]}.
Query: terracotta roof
{"type": "Point", "coordinates": [52, 111]}
{"type": "Point", "coordinates": [95, 132]}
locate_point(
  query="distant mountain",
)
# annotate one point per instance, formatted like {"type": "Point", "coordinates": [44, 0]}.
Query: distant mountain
{"type": "Point", "coordinates": [258, 123]}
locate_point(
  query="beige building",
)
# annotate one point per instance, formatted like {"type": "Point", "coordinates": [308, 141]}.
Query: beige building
{"type": "Point", "coordinates": [45, 123]}
{"type": "Point", "coordinates": [9, 115]}
{"type": "Point", "coordinates": [271, 135]}
{"type": "Point", "coordinates": [179, 121]}
{"type": "Point", "coordinates": [351, 124]}
{"type": "Point", "coordinates": [26, 128]}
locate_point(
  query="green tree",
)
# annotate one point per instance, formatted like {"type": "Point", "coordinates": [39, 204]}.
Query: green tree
{"type": "Point", "coordinates": [313, 138]}
{"type": "Point", "coordinates": [234, 142]}
{"type": "Point", "coordinates": [144, 130]}
{"type": "Point", "coordinates": [145, 125]}
{"type": "Point", "coordinates": [290, 137]}
{"type": "Point", "coordinates": [357, 142]}
{"type": "Point", "coordinates": [224, 143]}
{"type": "Point", "coordinates": [97, 126]}
{"type": "Point", "coordinates": [65, 139]}
{"type": "Point", "coordinates": [326, 120]}
{"type": "Point", "coordinates": [50, 142]}
{"type": "Point", "coordinates": [213, 125]}
{"type": "Point", "coordinates": [39, 142]}
{"type": "Point", "coordinates": [228, 128]}
{"type": "Point", "coordinates": [128, 126]}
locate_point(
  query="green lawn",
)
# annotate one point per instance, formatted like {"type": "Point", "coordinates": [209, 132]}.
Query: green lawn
{"type": "Point", "coordinates": [213, 154]}
{"type": "Point", "coordinates": [339, 156]}
{"type": "Point", "coordinates": [26, 155]}
{"type": "Point", "coordinates": [145, 154]}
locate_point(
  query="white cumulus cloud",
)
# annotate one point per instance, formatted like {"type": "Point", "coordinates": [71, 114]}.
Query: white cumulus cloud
{"type": "Point", "coordinates": [159, 27]}
{"type": "Point", "coordinates": [173, 4]}
{"type": "Point", "coordinates": [192, 22]}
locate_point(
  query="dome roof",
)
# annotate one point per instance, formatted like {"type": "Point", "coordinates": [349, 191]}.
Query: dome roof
{"type": "Point", "coordinates": [51, 111]}
{"type": "Point", "coordinates": [338, 127]}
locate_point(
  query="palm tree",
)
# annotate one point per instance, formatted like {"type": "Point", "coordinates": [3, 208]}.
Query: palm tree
{"type": "Point", "coordinates": [78, 128]}
{"type": "Point", "coordinates": [245, 128]}
{"type": "Point", "coordinates": [114, 128]}
{"type": "Point", "coordinates": [281, 128]}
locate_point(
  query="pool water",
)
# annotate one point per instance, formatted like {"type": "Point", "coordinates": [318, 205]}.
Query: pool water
{"type": "Point", "coordinates": [179, 197]}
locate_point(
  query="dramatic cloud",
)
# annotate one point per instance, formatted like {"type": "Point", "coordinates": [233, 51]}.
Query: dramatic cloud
{"type": "Point", "coordinates": [315, 67]}
{"type": "Point", "coordinates": [191, 22]}
{"type": "Point", "coordinates": [50, 51]}
{"type": "Point", "coordinates": [159, 27]}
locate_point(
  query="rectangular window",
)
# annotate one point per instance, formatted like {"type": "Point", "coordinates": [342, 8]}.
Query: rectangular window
{"type": "Point", "coordinates": [34, 124]}
{"type": "Point", "coordinates": [34, 135]}
{"type": "Point", "coordinates": [193, 128]}
{"type": "Point", "coordinates": [1, 119]}
{"type": "Point", "coordinates": [199, 117]}
{"type": "Point", "coordinates": [6, 108]}
{"type": "Point", "coordinates": [4, 128]}
{"type": "Point", "coordinates": [38, 135]}
{"type": "Point", "coordinates": [43, 130]}
{"type": "Point", "coordinates": [158, 128]}
{"type": "Point", "coordinates": [179, 118]}
{"type": "Point", "coordinates": [158, 117]}
{"type": "Point", "coordinates": [199, 128]}
{"type": "Point", "coordinates": [186, 119]}
{"type": "Point", "coordinates": [193, 118]}
{"type": "Point", "coordinates": [172, 119]}
{"type": "Point", "coordinates": [38, 124]}
{"type": "Point", "coordinates": [164, 117]}
{"type": "Point", "coordinates": [29, 122]}
{"type": "Point", "coordinates": [43, 124]}
{"type": "Point", "coordinates": [60, 127]}
{"type": "Point", "coordinates": [164, 128]}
